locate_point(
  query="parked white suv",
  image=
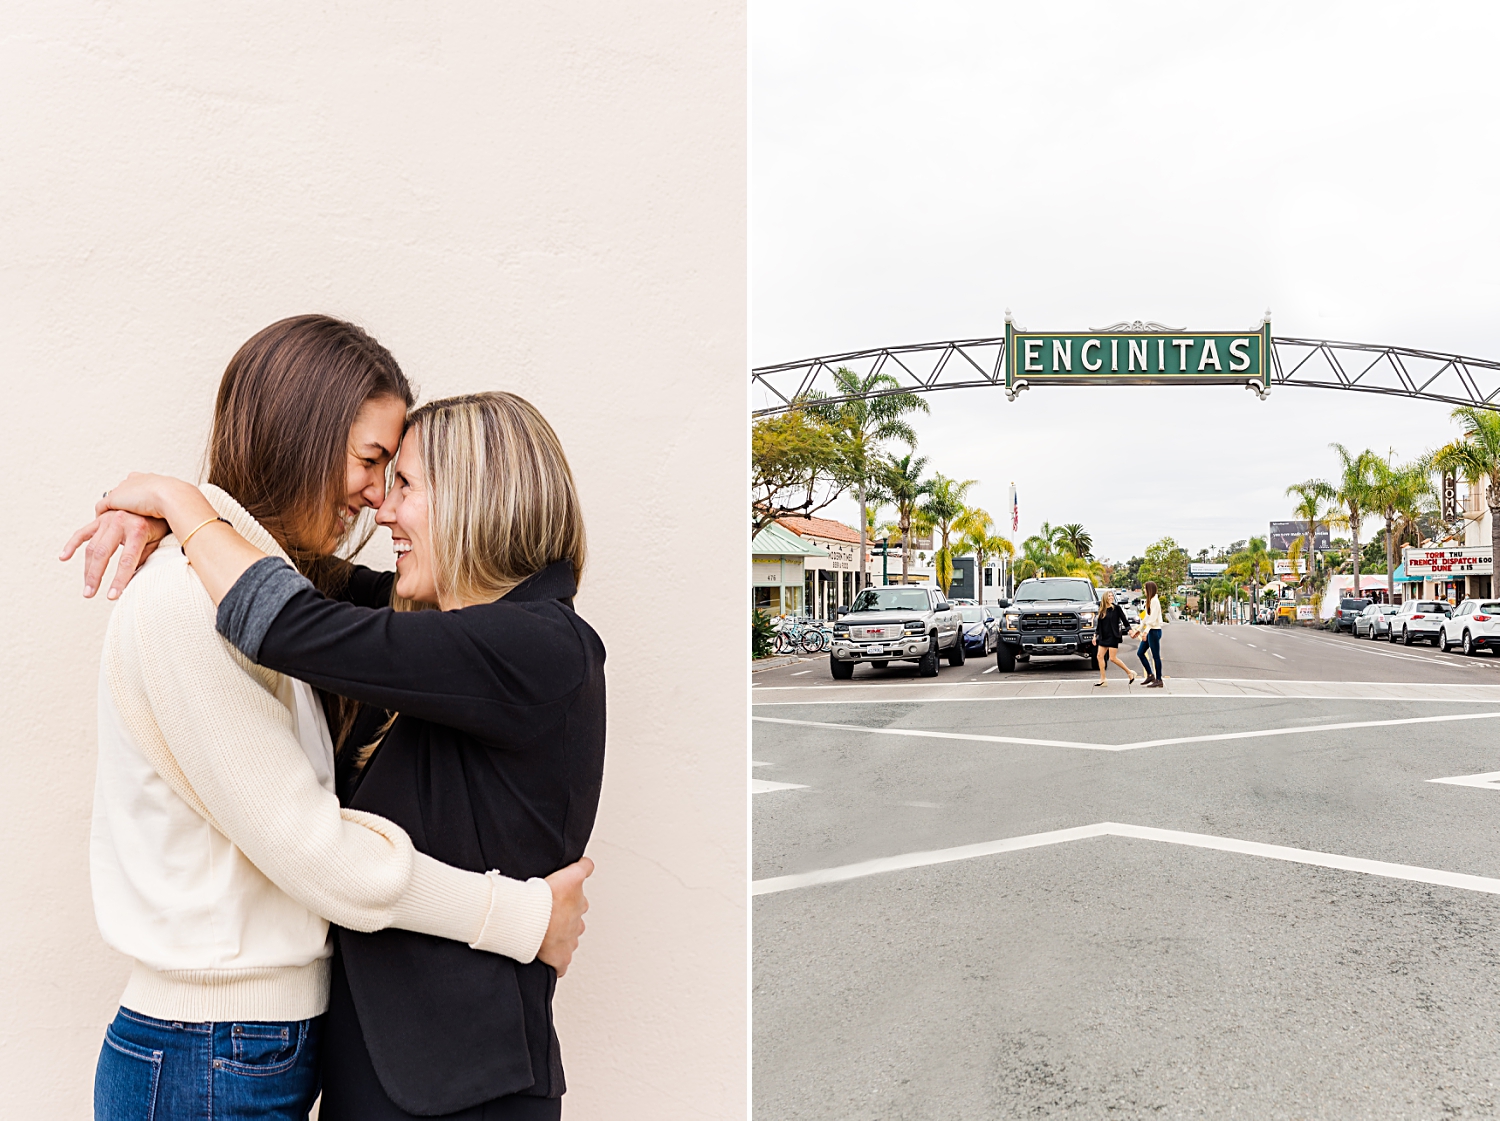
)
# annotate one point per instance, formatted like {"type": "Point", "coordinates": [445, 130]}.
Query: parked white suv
{"type": "Point", "coordinates": [1419, 619]}
{"type": "Point", "coordinates": [1473, 626]}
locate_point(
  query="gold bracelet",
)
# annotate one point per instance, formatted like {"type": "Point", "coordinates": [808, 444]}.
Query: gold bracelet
{"type": "Point", "coordinates": [183, 543]}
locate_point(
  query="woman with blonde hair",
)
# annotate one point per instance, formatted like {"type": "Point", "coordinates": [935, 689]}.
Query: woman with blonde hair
{"type": "Point", "coordinates": [1110, 626]}
{"type": "Point", "coordinates": [482, 735]}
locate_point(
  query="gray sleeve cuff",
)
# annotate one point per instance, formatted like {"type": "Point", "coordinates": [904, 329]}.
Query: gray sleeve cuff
{"type": "Point", "coordinates": [258, 596]}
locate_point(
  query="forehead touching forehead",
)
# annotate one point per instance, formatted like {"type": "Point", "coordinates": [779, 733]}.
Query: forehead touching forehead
{"type": "Point", "coordinates": [376, 431]}
{"type": "Point", "coordinates": [409, 459]}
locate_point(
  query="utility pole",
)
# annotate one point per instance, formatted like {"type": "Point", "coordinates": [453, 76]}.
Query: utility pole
{"type": "Point", "coordinates": [885, 561]}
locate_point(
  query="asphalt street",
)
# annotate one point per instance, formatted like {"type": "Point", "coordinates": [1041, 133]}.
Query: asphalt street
{"type": "Point", "coordinates": [1015, 895]}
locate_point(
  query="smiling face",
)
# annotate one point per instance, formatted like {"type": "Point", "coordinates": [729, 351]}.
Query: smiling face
{"type": "Point", "coordinates": [373, 439]}
{"type": "Point", "coordinates": [405, 513]}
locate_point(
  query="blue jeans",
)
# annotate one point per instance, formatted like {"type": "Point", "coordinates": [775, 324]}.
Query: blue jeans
{"type": "Point", "coordinates": [1153, 641]}
{"type": "Point", "coordinates": [160, 1070]}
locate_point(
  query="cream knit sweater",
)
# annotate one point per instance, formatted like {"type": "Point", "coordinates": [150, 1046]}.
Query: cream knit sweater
{"type": "Point", "coordinates": [219, 850]}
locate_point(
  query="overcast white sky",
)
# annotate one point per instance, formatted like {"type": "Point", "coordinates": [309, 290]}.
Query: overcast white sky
{"type": "Point", "coordinates": [917, 169]}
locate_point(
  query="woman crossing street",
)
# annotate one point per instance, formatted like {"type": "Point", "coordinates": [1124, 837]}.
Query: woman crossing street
{"type": "Point", "coordinates": [1150, 636]}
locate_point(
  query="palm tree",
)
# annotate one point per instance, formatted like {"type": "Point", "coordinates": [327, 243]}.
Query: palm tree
{"type": "Point", "coordinates": [943, 507]}
{"type": "Point", "coordinates": [1251, 563]}
{"type": "Point", "coordinates": [902, 480]}
{"type": "Point", "coordinates": [862, 425]}
{"type": "Point", "coordinates": [1352, 492]}
{"type": "Point", "coordinates": [1311, 507]}
{"type": "Point", "coordinates": [1076, 539]}
{"type": "Point", "coordinates": [978, 539]}
{"type": "Point", "coordinates": [1476, 457]}
{"type": "Point", "coordinates": [1394, 490]}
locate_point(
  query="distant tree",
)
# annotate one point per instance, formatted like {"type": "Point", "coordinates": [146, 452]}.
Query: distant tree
{"type": "Point", "coordinates": [869, 418]}
{"type": "Point", "coordinates": [1166, 562]}
{"type": "Point", "coordinates": [1076, 540]}
{"type": "Point", "coordinates": [1128, 575]}
{"type": "Point", "coordinates": [942, 508]}
{"type": "Point", "coordinates": [1353, 492]}
{"type": "Point", "coordinates": [1476, 458]}
{"type": "Point", "coordinates": [795, 467]}
{"type": "Point", "coordinates": [902, 480]}
{"type": "Point", "coordinates": [1394, 490]}
{"type": "Point", "coordinates": [1313, 497]}
{"type": "Point", "coordinates": [978, 539]}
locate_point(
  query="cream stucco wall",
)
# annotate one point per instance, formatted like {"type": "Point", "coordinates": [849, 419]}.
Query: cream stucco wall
{"type": "Point", "coordinates": [549, 199]}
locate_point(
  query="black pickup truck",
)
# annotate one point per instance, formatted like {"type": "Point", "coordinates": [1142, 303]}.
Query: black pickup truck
{"type": "Point", "coordinates": [1049, 615]}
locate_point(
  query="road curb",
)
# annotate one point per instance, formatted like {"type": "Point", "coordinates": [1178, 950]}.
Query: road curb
{"type": "Point", "coordinates": [774, 662]}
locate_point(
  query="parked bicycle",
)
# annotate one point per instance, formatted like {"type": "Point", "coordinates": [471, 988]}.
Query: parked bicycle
{"type": "Point", "coordinates": [798, 635]}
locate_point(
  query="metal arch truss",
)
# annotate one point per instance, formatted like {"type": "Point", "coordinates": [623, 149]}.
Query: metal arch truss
{"type": "Point", "coordinates": [968, 363]}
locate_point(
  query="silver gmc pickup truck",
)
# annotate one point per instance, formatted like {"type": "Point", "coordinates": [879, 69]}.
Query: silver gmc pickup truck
{"type": "Point", "coordinates": [897, 624]}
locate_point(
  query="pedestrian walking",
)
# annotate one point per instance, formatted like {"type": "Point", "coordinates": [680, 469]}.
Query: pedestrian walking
{"type": "Point", "coordinates": [1150, 636]}
{"type": "Point", "coordinates": [1107, 631]}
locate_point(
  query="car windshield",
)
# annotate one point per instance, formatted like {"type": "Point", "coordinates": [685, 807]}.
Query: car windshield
{"type": "Point", "coordinates": [1078, 591]}
{"type": "Point", "coordinates": [972, 614]}
{"type": "Point", "coordinates": [891, 599]}
{"type": "Point", "coordinates": [1388, 609]}
{"type": "Point", "coordinates": [1354, 604]}
{"type": "Point", "coordinates": [1488, 609]}
{"type": "Point", "coordinates": [1426, 606]}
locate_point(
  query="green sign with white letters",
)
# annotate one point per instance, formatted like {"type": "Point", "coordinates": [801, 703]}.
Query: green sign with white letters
{"type": "Point", "coordinates": [1138, 354]}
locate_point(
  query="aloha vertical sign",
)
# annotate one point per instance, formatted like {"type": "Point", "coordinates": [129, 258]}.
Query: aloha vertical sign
{"type": "Point", "coordinates": [1138, 354]}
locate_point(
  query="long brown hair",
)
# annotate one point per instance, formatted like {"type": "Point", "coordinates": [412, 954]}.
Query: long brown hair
{"type": "Point", "coordinates": [281, 427]}
{"type": "Point", "coordinates": [1150, 594]}
{"type": "Point", "coordinates": [281, 437]}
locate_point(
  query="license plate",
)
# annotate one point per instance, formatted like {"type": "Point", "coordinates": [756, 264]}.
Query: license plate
{"type": "Point", "coordinates": [1049, 638]}
{"type": "Point", "coordinates": [874, 649]}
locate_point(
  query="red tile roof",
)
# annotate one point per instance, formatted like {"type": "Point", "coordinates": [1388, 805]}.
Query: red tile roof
{"type": "Point", "coordinates": [821, 527]}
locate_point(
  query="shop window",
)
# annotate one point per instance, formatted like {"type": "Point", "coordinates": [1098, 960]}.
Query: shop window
{"type": "Point", "coordinates": [763, 601]}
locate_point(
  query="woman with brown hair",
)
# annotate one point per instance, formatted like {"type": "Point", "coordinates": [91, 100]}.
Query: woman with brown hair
{"type": "Point", "coordinates": [220, 851]}
{"type": "Point", "coordinates": [492, 757]}
{"type": "Point", "coordinates": [1149, 631]}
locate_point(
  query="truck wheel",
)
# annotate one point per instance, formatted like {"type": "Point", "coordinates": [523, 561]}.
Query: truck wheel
{"type": "Point", "coordinates": [1005, 658]}
{"type": "Point", "coordinates": [956, 655]}
{"type": "Point", "coordinates": [927, 664]}
{"type": "Point", "coordinates": [841, 670]}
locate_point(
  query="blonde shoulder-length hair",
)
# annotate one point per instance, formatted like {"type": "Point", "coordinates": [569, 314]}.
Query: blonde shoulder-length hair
{"type": "Point", "coordinates": [500, 498]}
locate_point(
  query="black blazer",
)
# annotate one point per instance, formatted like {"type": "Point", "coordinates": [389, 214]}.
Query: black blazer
{"type": "Point", "coordinates": [1112, 626]}
{"type": "Point", "coordinates": [495, 761]}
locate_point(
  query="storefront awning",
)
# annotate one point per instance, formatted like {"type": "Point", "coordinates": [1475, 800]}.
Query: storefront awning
{"type": "Point", "coordinates": [773, 541]}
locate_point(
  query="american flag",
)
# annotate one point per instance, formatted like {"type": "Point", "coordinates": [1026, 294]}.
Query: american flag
{"type": "Point", "coordinates": [1015, 510]}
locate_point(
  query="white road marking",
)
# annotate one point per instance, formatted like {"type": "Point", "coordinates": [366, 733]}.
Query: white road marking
{"type": "Point", "coordinates": [937, 735]}
{"type": "Point", "coordinates": [1489, 781]}
{"type": "Point", "coordinates": [762, 786]}
{"type": "Point", "coordinates": [992, 669]}
{"type": "Point", "coordinates": [799, 673]}
{"type": "Point", "coordinates": [1252, 646]}
{"type": "Point", "coordinates": [1215, 738]}
{"type": "Point", "coordinates": [1276, 655]}
{"type": "Point", "coordinates": [910, 860]}
{"type": "Point", "coordinates": [753, 763]}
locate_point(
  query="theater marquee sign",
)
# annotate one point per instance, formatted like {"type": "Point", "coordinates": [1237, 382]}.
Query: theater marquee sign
{"type": "Point", "coordinates": [1138, 354]}
{"type": "Point", "coordinates": [1444, 564]}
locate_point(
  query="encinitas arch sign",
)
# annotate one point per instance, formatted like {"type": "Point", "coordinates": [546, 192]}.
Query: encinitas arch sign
{"type": "Point", "coordinates": [1133, 353]}
{"type": "Point", "coordinates": [1138, 354]}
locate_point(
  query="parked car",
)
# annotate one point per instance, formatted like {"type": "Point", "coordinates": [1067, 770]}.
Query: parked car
{"type": "Point", "coordinates": [1419, 619]}
{"type": "Point", "coordinates": [1374, 620]}
{"type": "Point", "coordinates": [896, 624]}
{"type": "Point", "coordinates": [981, 630]}
{"type": "Point", "coordinates": [1473, 626]}
{"type": "Point", "coordinates": [1348, 610]}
